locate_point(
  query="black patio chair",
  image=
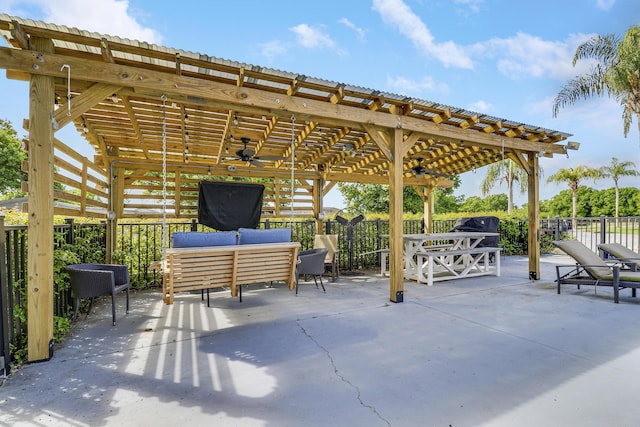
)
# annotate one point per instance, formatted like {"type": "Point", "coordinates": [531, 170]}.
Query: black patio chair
{"type": "Point", "coordinates": [94, 280]}
{"type": "Point", "coordinates": [311, 263]}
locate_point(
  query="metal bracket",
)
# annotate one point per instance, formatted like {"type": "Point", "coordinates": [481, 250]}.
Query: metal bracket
{"type": "Point", "coordinates": [399, 296]}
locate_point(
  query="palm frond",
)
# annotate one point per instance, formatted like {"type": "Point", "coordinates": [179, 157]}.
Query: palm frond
{"type": "Point", "coordinates": [581, 87]}
{"type": "Point", "coordinates": [601, 48]}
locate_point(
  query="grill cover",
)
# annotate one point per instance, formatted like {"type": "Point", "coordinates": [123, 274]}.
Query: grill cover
{"type": "Point", "coordinates": [229, 206]}
{"type": "Point", "coordinates": [480, 223]}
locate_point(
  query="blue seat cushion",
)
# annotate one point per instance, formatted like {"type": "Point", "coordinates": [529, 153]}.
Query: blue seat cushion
{"type": "Point", "coordinates": [193, 239]}
{"type": "Point", "coordinates": [249, 236]}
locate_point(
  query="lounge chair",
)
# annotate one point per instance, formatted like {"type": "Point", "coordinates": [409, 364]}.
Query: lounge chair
{"type": "Point", "coordinates": [622, 254]}
{"type": "Point", "coordinates": [590, 269]}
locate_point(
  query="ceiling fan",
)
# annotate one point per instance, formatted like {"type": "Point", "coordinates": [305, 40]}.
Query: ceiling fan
{"type": "Point", "coordinates": [421, 171]}
{"type": "Point", "coordinates": [248, 155]}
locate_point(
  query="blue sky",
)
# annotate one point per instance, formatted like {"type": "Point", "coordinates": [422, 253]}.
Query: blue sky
{"type": "Point", "coordinates": [501, 57]}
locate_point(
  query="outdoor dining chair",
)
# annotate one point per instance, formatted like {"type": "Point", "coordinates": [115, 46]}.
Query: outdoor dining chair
{"type": "Point", "coordinates": [311, 263]}
{"type": "Point", "coordinates": [94, 280]}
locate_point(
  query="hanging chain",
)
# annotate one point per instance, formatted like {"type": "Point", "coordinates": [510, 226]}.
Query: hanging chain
{"type": "Point", "coordinates": [164, 174]}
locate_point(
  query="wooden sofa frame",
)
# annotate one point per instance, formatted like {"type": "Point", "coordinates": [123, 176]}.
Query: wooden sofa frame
{"type": "Point", "coordinates": [200, 268]}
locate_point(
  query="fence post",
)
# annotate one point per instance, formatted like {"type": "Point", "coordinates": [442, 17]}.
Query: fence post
{"type": "Point", "coordinates": [327, 227]}
{"type": "Point", "coordinates": [603, 229]}
{"type": "Point", "coordinates": [557, 230]}
{"type": "Point", "coordinates": [5, 315]}
{"type": "Point", "coordinates": [194, 225]}
{"type": "Point", "coordinates": [70, 238]}
{"type": "Point", "coordinates": [267, 225]}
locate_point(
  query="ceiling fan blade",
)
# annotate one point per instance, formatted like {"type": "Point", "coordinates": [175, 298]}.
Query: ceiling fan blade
{"type": "Point", "coordinates": [270, 158]}
{"type": "Point", "coordinates": [257, 163]}
{"type": "Point", "coordinates": [435, 173]}
{"type": "Point", "coordinates": [248, 152]}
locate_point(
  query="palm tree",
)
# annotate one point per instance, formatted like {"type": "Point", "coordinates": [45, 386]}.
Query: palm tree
{"type": "Point", "coordinates": [616, 74]}
{"type": "Point", "coordinates": [504, 171]}
{"type": "Point", "coordinates": [573, 176]}
{"type": "Point", "coordinates": [615, 170]}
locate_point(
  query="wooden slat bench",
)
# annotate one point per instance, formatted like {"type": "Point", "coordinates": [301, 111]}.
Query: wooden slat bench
{"type": "Point", "coordinates": [197, 268]}
{"type": "Point", "coordinates": [456, 263]}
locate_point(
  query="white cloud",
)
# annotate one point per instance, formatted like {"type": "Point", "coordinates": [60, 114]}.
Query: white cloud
{"type": "Point", "coordinates": [359, 31]}
{"type": "Point", "coordinates": [605, 4]}
{"type": "Point", "coordinates": [312, 38]}
{"type": "Point", "coordinates": [481, 106]}
{"type": "Point", "coordinates": [399, 15]}
{"type": "Point", "coordinates": [113, 17]}
{"type": "Point", "coordinates": [472, 5]}
{"type": "Point", "coordinates": [272, 49]}
{"type": "Point", "coordinates": [529, 56]}
{"type": "Point", "coordinates": [405, 86]}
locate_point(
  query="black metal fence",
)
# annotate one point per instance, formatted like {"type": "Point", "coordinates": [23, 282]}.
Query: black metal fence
{"type": "Point", "coordinates": [139, 245]}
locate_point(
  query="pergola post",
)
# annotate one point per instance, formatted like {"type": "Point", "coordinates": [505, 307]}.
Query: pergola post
{"type": "Point", "coordinates": [318, 205]}
{"type": "Point", "coordinates": [40, 227]}
{"type": "Point", "coordinates": [534, 217]}
{"type": "Point", "coordinates": [428, 208]}
{"type": "Point", "coordinates": [396, 245]}
{"type": "Point", "coordinates": [116, 208]}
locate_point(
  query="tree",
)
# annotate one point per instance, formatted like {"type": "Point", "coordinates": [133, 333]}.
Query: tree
{"type": "Point", "coordinates": [361, 198]}
{"type": "Point", "coordinates": [495, 202]}
{"type": "Point", "coordinates": [573, 176]}
{"type": "Point", "coordinates": [615, 170]}
{"type": "Point", "coordinates": [615, 74]}
{"type": "Point", "coordinates": [11, 158]}
{"type": "Point", "coordinates": [471, 204]}
{"type": "Point", "coordinates": [505, 171]}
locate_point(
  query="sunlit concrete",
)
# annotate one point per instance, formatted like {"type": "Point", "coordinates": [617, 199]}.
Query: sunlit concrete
{"type": "Point", "coordinates": [493, 351]}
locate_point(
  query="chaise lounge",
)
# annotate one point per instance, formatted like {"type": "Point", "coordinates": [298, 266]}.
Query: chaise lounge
{"type": "Point", "coordinates": [591, 270]}
{"type": "Point", "coordinates": [622, 254]}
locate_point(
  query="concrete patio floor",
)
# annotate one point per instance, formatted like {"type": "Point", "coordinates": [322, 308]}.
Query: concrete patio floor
{"type": "Point", "coordinates": [482, 351]}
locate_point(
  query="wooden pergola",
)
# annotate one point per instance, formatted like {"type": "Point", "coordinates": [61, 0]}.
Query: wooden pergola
{"type": "Point", "coordinates": [135, 103]}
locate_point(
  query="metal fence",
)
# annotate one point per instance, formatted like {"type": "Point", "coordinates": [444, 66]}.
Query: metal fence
{"type": "Point", "coordinates": [593, 231]}
{"type": "Point", "coordinates": [139, 245]}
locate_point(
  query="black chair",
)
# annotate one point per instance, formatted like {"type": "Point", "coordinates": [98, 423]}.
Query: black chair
{"type": "Point", "coordinates": [312, 263]}
{"type": "Point", "coordinates": [94, 280]}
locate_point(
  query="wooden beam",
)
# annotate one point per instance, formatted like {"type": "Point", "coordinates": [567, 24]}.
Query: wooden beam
{"type": "Point", "coordinates": [106, 50]}
{"type": "Point", "coordinates": [534, 217]}
{"type": "Point", "coordinates": [318, 205]}
{"type": "Point", "coordinates": [382, 140]}
{"type": "Point", "coordinates": [40, 226]}
{"type": "Point", "coordinates": [18, 35]}
{"type": "Point", "coordinates": [82, 103]}
{"type": "Point", "coordinates": [517, 157]}
{"type": "Point", "coordinates": [136, 126]}
{"type": "Point", "coordinates": [396, 243]}
{"type": "Point", "coordinates": [428, 208]}
{"type": "Point", "coordinates": [338, 95]}
{"type": "Point", "coordinates": [249, 99]}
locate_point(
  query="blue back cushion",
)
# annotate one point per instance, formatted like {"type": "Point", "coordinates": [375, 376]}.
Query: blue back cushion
{"type": "Point", "coordinates": [196, 239]}
{"type": "Point", "coordinates": [249, 236]}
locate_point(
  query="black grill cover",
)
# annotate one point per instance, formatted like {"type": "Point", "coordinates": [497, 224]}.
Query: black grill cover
{"type": "Point", "coordinates": [229, 205]}
{"type": "Point", "coordinates": [480, 223]}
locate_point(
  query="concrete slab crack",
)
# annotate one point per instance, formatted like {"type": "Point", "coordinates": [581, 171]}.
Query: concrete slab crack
{"type": "Point", "coordinates": [342, 377]}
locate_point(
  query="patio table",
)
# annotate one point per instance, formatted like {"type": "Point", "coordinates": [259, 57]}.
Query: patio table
{"type": "Point", "coordinates": [449, 243]}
